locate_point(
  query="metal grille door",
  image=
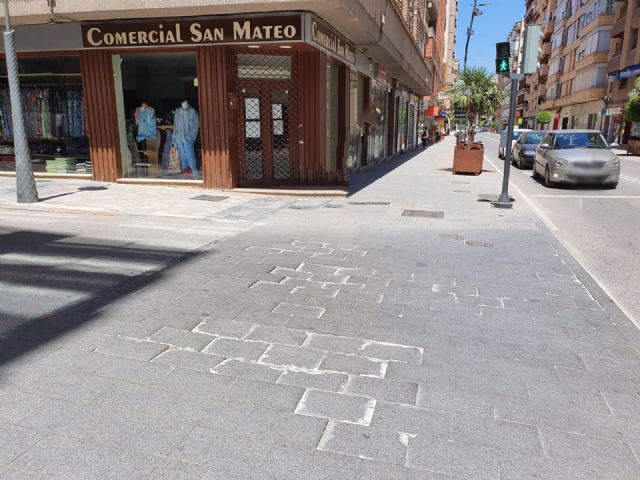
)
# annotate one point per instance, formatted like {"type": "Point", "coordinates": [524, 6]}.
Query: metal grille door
{"type": "Point", "coordinates": [411, 142]}
{"type": "Point", "coordinates": [267, 117]}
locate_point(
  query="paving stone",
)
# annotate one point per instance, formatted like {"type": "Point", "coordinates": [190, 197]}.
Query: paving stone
{"type": "Point", "coordinates": [383, 389]}
{"type": "Point", "coordinates": [181, 338]}
{"type": "Point", "coordinates": [138, 398]}
{"type": "Point", "coordinates": [224, 327]}
{"type": "Point", "coordinates": [622, 405]}
{"type": "Point", "coordinates": [318, 269]}
{"type": "Point", "coordinates": [365, 442]}
{"type": "Point", "coordinates": [399, 353]}
{"type": "Point", "coordinates": [130, 370]}
{"type": "Point", "coordinates": [17, 404]}
{"type": "Point", "coordinates": [328, 381]}
{"type": "Point", "coordinates": [299, 310]}
{"type": "Point", "coordinates": [557, 394]}
{"type": "Point", "coordinates": [188, 359]}
{"type": "Point", "coordinates": [333, 343]}
{"type": "Point", "coordinates": [330, 279]}
{"type": "Point", "coordinates": [524, 467]}
{"type": "Point", "coordinates": [131, 349]}
{"type": "Point", "coordinates": [79, 387]}
{"type": "Point", "coordinates": [438, 455]}
{"type": "Point", "coordinates": [254, 371]}
{"type": "Point", "coordinates": [613, 459]}
{"type": "Point", "coordinates": [337, 407]}
{"type": "Point", "coordinates": [292, 356]}
{"type": "Point", "coordinates": [270, 395]}
{"type": "Point", "coordinates": [233, 348]}
{"type": "Point", "coordinates": [455, 401]}
{"type": "Point", "coordinates": [353, 364]}
{"type": "Point", "coordinates": [424, 374]}
{"type": "Point", "coordinates": [280, 335]}
{"type": "Point", "coordinates": [14, 440]}
{"type": "Point", "coordinates": [369, 470]}
{"type": "Point", "coordinates": [283, 428]}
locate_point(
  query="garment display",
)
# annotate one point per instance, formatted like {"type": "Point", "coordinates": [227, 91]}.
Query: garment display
{"type": "Point", "coordinates": [186, 124]}
{"type": "Point", "coordinates": [146, 122]}
{"type": "Point", "coordinates": [188, 158]}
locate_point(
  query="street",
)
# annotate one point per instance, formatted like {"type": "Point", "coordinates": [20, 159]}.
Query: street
{"type": "Point", "coordinates": [396, 334]}
{"type": "Point", "coordinates": [600, 227]}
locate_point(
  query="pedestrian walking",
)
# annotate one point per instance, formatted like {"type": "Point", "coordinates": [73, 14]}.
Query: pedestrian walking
{"type": "Point", "coordinates": [424, 138]}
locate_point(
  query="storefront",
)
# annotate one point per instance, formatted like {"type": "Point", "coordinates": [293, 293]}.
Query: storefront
{"type": "Point", "coordinates": [220, 101]}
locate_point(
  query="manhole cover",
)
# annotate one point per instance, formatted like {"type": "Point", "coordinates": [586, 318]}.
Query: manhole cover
{"type": "Point", "coordinates": [490, 198]}
{"type": "Point", "coordinates": [369, 203]}
{"type": "Point", "coordinates": [422, 214]}
{"type": "Point", "coordinates": [209, 198]}
{"type": "Point", "coordinates": [478, 243]}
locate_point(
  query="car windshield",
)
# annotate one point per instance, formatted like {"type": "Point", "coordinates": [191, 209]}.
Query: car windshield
{"type": "Point", "coordinates": [580, 140]}
{"type": "Point", "coordinates": [534, 137]}
{"type": "Point", "coordinates": [516, 134]}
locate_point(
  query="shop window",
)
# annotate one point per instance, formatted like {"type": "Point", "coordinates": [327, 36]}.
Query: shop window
{"type": "Point", "coordinates": [53, 102]}
{"type": "Point", "coordinates": [157, 102]}
{"type": "Point", "coordinates": [356, 112]}
{"type": "Point", "coordinates": [376, 120]}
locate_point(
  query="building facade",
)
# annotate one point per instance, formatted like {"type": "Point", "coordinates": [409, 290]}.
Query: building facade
{"type": "Point", "coordinates": [623, 69]}
{"type": "Point", "coordinates": [217, 93]}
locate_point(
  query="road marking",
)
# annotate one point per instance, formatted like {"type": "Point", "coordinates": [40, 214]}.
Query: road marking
{"type": "Point", "coordinates": [630, 179]}
{"type": "Point", "coordinates": [537, 210]}
{"type": "Point", "coordinates": [612, 197]}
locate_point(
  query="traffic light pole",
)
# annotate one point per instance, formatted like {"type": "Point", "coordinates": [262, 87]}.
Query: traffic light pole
{"type": "Point", "coordinates": [504, 201]}
{"type": "Point", "coordinates": [25, 183]}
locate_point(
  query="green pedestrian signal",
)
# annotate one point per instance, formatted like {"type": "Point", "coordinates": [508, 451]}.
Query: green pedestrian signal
{"type": "Point", "coordinates": [502, 65]}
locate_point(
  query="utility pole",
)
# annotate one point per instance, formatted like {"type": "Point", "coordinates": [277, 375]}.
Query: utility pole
{"type": "Point", "coordinates": [476, 12]}
{"type": "Point", "coordinates": [25, 183]}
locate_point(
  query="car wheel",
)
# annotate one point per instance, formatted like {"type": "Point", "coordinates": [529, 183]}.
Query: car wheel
{"type": "Point", "coordinates": [534, 174]}
{"type": "Point", "coordinates": [547, 179]}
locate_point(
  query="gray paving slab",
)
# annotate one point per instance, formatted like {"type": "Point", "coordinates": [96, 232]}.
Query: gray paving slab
{"type": "Point", "coordinates": [188, 359]}
{"type": "Point", "coordinates": [329, 381]}
{"type": "Point", "coordinates": [383, 389]}
{"type": "Point", "coordinates": [236, 348]}
{"type": "Point", "coordinates": [337, 407]}
{"type": "Point", "coordinates": [354, 364]}
{"type": "Point", "coordinates": [292, 356]}
{"type": "Point", "coordinates": [279, 335]}
{"type": "Point", "coordinates": [181, 338]}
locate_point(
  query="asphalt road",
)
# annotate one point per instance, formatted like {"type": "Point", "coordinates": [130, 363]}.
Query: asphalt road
{"type": "Point", "coordinates": [600, 227]}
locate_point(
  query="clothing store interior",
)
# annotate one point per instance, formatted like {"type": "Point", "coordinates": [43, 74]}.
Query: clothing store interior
{"type": "Point", "coordinates": [159, 124]}
{"type": "Point", "coordinates": [51, 91]}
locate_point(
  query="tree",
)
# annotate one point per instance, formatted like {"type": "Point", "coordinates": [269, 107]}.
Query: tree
{"type": "Point", "coordinates": [476, 94]}
{"type": "Point", "coordinates": [632, 110]}
{"type": "Point", "coordinates": [544, 118]}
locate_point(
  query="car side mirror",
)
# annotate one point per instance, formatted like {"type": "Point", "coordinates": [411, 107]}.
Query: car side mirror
{"type": "Point", "coordinates": [544, 146]}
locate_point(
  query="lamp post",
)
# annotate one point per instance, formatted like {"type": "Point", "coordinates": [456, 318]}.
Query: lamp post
{"type": "Point", "coordinates": [25, 183]}
{"type": "Point", "coordinates": [476, 12]}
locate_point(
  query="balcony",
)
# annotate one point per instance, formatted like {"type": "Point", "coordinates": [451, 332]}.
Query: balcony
{"type": "Point", "coordinates": [548, 30]}
{"type": "Point", "coordinates": [614, 64]}
{"type": "Point", "coordinates": [618, 27]}
{"type": "Point", "coordinates": [546, 51]}
{"type": "Point", "coordinates": [544, 72]}
{"type": "Point", "coordinates": [433, 7]}
{"type": "Point", "coordinates": [542, 90]}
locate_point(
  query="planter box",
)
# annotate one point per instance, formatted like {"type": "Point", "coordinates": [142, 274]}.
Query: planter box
{"type": "Point", "coordinates": [633, 146]}
{"type": "Point", "coordinates": [468, 161]}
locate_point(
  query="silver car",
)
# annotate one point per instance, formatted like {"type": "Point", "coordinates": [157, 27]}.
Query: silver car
{"type": "Point", "coordinates": [502, 147]}
{"type": "Point", "coordinates": [576, 157]}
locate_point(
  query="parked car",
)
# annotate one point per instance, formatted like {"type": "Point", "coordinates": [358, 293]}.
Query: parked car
{"type": "Point", "coordinates": [502, 148]}
{"type": "Point", "coordinates": [524, 150]}
{"type": "Point", "coordinates": [576, 157]}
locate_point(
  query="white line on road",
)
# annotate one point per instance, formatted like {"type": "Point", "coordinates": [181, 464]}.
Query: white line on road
{"type": "Point", "coordinates": [630, 179]}
{"type": "Point", "coordinates": [552, 226]}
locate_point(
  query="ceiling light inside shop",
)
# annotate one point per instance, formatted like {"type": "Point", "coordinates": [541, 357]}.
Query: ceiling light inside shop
{"type": "Point", "coordinates": [253, 46]}
{"type": "Point", "coordinates": [286, 46]}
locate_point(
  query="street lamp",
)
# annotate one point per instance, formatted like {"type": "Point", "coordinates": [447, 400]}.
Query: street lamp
{"type": "Point", "coordinates": [25, 183]}
{"type": "Point", "coordinates": [476, 12]}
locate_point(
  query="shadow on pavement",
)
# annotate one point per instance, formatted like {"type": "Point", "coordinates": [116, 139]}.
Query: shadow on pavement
{"type": "Point", "coordinates": [81, 189]}
{"type": "Point", "coordinates": [52, 283]}
{"type": "Point", "coordinates": [369, 175]}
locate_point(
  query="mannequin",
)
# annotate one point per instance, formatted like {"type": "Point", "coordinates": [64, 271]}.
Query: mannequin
{"type": "Point", "coordinates": [186, 125]}
{"type": "Point", "coordinates": [146, 122]}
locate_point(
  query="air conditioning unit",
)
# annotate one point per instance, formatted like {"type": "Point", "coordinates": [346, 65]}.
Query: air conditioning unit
{"type": "Point", "coordinates": [431, 32]}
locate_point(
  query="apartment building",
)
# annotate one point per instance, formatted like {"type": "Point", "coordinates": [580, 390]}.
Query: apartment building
{"type": "Point", "coordinates": [576, 83]}
{"type": "Point", "coordinates": [451, 64]}
{"type": "Point", "coordinates": [219, 93]}
{"type": "Point", "coordinates": [623, 69]}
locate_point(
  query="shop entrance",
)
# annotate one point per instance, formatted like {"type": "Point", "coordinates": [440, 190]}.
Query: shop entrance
{"type": "Point", "coordinates": [266, 120]}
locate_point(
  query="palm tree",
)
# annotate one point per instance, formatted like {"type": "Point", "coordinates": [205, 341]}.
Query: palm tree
{"type": "Point", "coordinates": [476, 94]}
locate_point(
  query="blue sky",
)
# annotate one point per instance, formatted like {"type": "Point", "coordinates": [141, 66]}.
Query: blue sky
{"type": "Point", "coordinates": [489, 29]}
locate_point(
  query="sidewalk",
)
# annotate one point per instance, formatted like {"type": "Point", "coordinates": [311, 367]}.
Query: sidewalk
{"type": "Point", "coordinates": [408, 332]}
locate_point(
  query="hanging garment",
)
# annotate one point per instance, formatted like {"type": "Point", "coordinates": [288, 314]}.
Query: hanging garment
{"type": "Point", "coordinates": [146, 121]}
{"type": "Point", "coordinates": [186, 125]}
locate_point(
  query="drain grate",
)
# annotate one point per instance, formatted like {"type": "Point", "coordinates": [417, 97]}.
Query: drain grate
{"type": "Point", "coordinates": [209, 198]}
{"type": "Point", "coordinates": [369, 203]}
{"type": "Point", "coordinates": [422, 214]}
{"type": "Point", "coordinates": [451, 236]}
{"type": "Point", "coordinates": [478, 243]}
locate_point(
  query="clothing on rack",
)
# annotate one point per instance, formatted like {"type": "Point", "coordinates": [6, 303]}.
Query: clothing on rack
{"type": "Point", "coordinates": [146, 121]}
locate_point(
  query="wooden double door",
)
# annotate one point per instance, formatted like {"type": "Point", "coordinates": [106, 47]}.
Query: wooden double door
{"type": "Point", "coordinates": [266, 134]}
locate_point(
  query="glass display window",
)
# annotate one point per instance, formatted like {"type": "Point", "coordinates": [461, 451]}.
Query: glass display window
{"type": "Point", "coordinates": [53, 102]}
{"type": "Point", "coordinates": [158, 118]}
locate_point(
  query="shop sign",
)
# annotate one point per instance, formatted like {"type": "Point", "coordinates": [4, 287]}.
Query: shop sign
{"type": "Point", "coordinates": [629, 72]}
{"type": "Point", "coordinates": [614, 111]}
{"type": "Point", "coordinates": [199, 31]}
{"type": "Point", "coordinates": [382, 74]}
{"type": "Point", "coordinates": [322, 35]}
{"type": "Point", "coordinates": [432, 111]}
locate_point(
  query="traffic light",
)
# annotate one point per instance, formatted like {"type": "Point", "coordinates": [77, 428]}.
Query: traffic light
{"type": "Point", "coordinates": [503, 57]}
